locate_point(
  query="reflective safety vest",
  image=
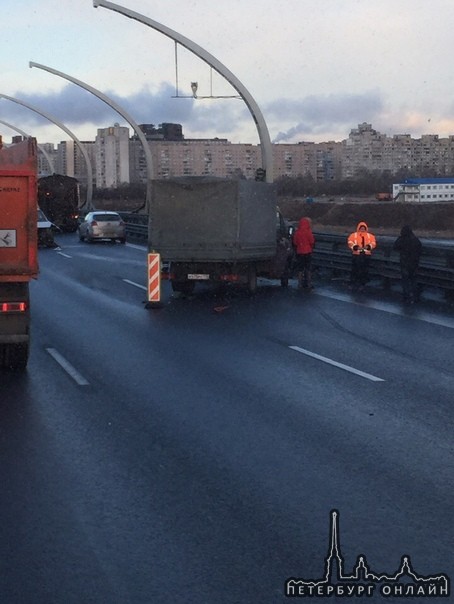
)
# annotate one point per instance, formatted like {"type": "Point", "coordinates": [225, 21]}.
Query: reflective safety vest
{"type": "Point", "coordinates": [363, 241]}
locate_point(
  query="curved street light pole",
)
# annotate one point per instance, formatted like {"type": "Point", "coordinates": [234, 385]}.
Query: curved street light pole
{"type": "Point", "coordinates": [53, 119]}
{"type": "Point", "coordinates": [265, 141]}
{"type": "Point", "coordinates": [40, 147]}
{"type": "Point", "coordinates": [118, 109]}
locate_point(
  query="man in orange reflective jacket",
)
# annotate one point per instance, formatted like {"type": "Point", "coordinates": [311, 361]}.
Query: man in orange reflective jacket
{"type": "Point", "coordinates": [361, 243]}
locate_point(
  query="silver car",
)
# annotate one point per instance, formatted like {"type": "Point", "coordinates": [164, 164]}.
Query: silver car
{"type": "Point", "coordinates": [102, 225]}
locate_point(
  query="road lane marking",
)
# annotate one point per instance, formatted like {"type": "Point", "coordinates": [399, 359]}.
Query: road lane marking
{"type": "Point", "coordinates": [137, 247]}
{"type": "Point", "coordinates": [308, 353]}
{"type": "Point", "coordinates": [135, 284]}
{"type": "Point", "coordinates": [63, 254]}
{"type": "Point", "coordinates": [66, 365]}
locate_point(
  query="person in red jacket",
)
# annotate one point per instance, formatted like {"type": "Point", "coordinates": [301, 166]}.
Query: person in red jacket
{"type": "Point", "coordinates": [304, 242]}
{"type": "Point", "coordinates": [361, 243]}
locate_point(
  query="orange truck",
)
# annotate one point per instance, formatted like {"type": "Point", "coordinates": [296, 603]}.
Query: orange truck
{"type": "Point", "coordinates": [18, 249]}
{"type": "Point", "coordinates": [383, 196]}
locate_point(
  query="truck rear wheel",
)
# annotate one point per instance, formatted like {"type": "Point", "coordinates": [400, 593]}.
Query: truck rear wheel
{"type": "Point", "coordinates": [14, 356]}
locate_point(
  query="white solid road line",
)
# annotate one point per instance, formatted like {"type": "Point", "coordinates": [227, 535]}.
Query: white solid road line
{"type": "Point", "coordinates": [135, 284]}
{"type": "Point", "coordinates": [70, 370]}
{"type": "Point", "coordinates": [308, 353]}
{"type": "Point", "coordinates": [63, 254]}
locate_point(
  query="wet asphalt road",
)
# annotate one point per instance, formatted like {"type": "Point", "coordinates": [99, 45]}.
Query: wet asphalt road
{"type": "Point", "coordinates": [187, 455]}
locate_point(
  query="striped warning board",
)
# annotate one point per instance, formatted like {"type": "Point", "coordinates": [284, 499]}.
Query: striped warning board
{"type": "Point", "coordinates": [154, 277]}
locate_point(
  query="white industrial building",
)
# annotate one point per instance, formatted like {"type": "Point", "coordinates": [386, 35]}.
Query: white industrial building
{"type": "Point", "coordinates": [424, 190]}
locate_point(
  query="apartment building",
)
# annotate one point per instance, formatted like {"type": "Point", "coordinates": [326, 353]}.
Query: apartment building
{"type": "Point", "coordinates": [112, 156]}
{"type": "Point", "coordinates": [47, 156]}
{"type": "Point", "coordinates": [219, 157]}
{"type": "Point", "coordinates": [119, 159]}
{"type": "Point", "coordinates": [195, 157]}
{"type": "Point", "coordinates": [367, 148]}
{"type": "Point", "coordinates": [69, 160]}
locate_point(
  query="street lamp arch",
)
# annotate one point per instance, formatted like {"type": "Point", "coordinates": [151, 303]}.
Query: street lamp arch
{"type": "Point", "coordinates": [118, 109]}
{"type": "Point", "coordinates": [40, 147]}
{"type": "Point", "coordinates": [262, 129]}
{"type": "Point", "coordinates": [51, 118]}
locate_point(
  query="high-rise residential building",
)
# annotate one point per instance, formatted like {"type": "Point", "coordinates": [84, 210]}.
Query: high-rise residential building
{"type": "Point", "coordinates": [119, 159]}
{"type": "Point", "coordinates": [368, 149]}
{"type": "Point", "coordinates": [112, 156]}
{"type": "Point", "coordinates": [65, 158]}
{"type": "Point", "coordinates": [47, 157]}
{"type": "Point", "coordinates": [70, 160]}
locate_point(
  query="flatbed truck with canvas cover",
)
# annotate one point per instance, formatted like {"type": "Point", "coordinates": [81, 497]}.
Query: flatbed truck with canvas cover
{"type": "Point", "coordinates": [18, 249]}
{"type": "Point", "coordinates": [59, 199]}
{"type": "Point", "coordinates": [218, 230]}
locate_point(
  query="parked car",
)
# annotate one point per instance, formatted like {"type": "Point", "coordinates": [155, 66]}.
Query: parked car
{"type": "Point", "coordinates": [45, 233]}
{"type": "Point", "coordinates": [102, 225]}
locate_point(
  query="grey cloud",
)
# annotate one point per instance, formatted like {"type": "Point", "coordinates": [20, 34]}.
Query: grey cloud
{"type": "Point", "coordinates": [75, 106]}
{"type": "Point", "coordinates": [311, 115]}
{"type": "Point", "coordinates": [318, 114]}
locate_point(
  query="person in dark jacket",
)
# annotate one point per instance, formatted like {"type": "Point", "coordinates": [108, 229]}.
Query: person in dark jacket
{"type": "Point", "coordinates": [409, 248]}
{"type": "Point", "coordinates": [304, 242]}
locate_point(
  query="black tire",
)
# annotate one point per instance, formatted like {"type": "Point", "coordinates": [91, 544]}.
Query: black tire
{"type": "Point", "coordinates": [284, 281]}
{"type": "Point", "coordinates": [122, 240]}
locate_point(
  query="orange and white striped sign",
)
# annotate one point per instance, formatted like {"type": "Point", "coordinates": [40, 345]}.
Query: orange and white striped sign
{"type": "Point", "coordinates": [154, 277]}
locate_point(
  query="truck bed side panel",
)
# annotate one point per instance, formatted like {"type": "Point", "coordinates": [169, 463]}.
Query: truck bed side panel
{"type": "Point", "coordinates": [209, 219]}
{"type": "Point", "coordinates": [18, 213]}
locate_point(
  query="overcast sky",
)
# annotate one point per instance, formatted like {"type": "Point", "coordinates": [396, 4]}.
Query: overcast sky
{"type": "Point", "coordinates": [316, 68]}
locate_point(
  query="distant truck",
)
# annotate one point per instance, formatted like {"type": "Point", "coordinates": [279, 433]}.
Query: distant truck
{"type": "Point", "coordinates": [218, 231]}
{"type": "Point", "coordinates": [18, 249]}
{"type": "Point", "coordinates": [59, 199]}
{"type": "Point", "coordinates": [383, 196]}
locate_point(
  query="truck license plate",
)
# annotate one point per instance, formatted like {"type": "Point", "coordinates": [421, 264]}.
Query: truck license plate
{"type": "Point", "coordinates": [198, 277]}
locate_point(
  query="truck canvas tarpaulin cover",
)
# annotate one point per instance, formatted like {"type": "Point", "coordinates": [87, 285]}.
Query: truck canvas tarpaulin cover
{"type": "Point", "coordinates": [212, 219]}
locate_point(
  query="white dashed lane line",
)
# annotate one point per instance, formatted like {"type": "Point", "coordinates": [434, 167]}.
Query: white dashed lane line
{"type": "Point", "coordinates": [66, 365]}
{"type": "Point", "coordinates": [135, 284]}
{"type": "Point", "coordinates": [362, 374]}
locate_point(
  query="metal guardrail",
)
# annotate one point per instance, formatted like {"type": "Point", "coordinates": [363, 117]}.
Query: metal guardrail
{"type": "Point", "coordinates": [136, 225]}
{"type": "Point", "coordinates": [436, 267]}
{"type": "Point", "coordinates": [331, 255]}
